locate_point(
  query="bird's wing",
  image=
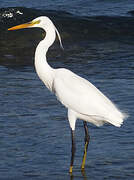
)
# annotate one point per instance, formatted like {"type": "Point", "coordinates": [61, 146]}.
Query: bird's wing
{"type": "Point", "coordinates": [80, 95]}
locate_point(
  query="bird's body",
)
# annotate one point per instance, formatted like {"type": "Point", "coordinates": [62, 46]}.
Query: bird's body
{"type": "Point", "coordinates": [82, 99]}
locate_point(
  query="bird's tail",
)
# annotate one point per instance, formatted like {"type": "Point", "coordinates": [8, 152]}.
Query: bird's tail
{"type": "Point", "coordinates": [117, 118]}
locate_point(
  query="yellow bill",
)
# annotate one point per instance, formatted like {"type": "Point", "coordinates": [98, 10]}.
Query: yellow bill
{"type": "Point", "coordinates": [26, 25]}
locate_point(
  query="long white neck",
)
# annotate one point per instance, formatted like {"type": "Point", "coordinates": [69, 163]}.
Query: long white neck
{"type": "Point", "coordinates": [43, 69]}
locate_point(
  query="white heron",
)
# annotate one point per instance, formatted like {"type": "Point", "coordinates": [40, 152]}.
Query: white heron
{"type": "Point", "coordinates": [82, 99]}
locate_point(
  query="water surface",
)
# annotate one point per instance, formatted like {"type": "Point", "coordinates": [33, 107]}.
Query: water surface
{"type": "Point", "coordinates": [35, 140]}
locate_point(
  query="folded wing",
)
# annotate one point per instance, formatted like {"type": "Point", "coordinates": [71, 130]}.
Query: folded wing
{"type": "Point", "coordinates": [81, 96]}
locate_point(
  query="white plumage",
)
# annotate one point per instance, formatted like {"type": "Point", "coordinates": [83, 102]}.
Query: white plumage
{"type": "Point", "coordinates": [82, 99]}
{"type": "Point", "coordinates": [85, 100]}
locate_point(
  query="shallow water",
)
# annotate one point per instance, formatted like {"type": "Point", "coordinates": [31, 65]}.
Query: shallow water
{"type": "Point", "coordinates": [35, 140]}
{"type": "Point", "coordinates": [33, 121]}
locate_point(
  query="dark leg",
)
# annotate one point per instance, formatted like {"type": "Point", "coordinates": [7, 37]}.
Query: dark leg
{"type": "Point", "coordinates": [87, 138]}
{"type": "Point", "coordinates": [73, 151]}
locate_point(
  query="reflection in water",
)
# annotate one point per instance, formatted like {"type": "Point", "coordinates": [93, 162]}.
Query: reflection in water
{"type": "Point", "coordinates": [83, 173]}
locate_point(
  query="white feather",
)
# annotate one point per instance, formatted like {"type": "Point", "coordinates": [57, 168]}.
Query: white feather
{"type": "Point", "coordinates": [82, 98]}
{"type": "Point", "coordinates": [85, 99]}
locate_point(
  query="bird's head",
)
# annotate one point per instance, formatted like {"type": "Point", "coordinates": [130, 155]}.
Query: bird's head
{"type": "Point", "coordinates": [41, 22]}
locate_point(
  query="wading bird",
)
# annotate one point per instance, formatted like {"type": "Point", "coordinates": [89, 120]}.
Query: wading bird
{"type": "Point", "coordinates": [82, 99]}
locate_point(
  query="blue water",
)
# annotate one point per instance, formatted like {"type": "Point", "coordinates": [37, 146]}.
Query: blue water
{"type": "Point", "coordinates": [35, 141]}
{"type": "Point", "coordinates": [86, 8]}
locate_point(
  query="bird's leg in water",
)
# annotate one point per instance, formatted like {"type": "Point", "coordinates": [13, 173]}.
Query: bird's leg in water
{"type": "Point", "coordinates": [87, 138]}
{"type": "Point", "coordinates": [73, 151]}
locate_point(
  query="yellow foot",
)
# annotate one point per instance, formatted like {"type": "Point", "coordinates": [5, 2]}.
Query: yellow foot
{"type": "Point", "coordinates": [71, 169]}
{"type": "Point", "coordinates": [82, 168]}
